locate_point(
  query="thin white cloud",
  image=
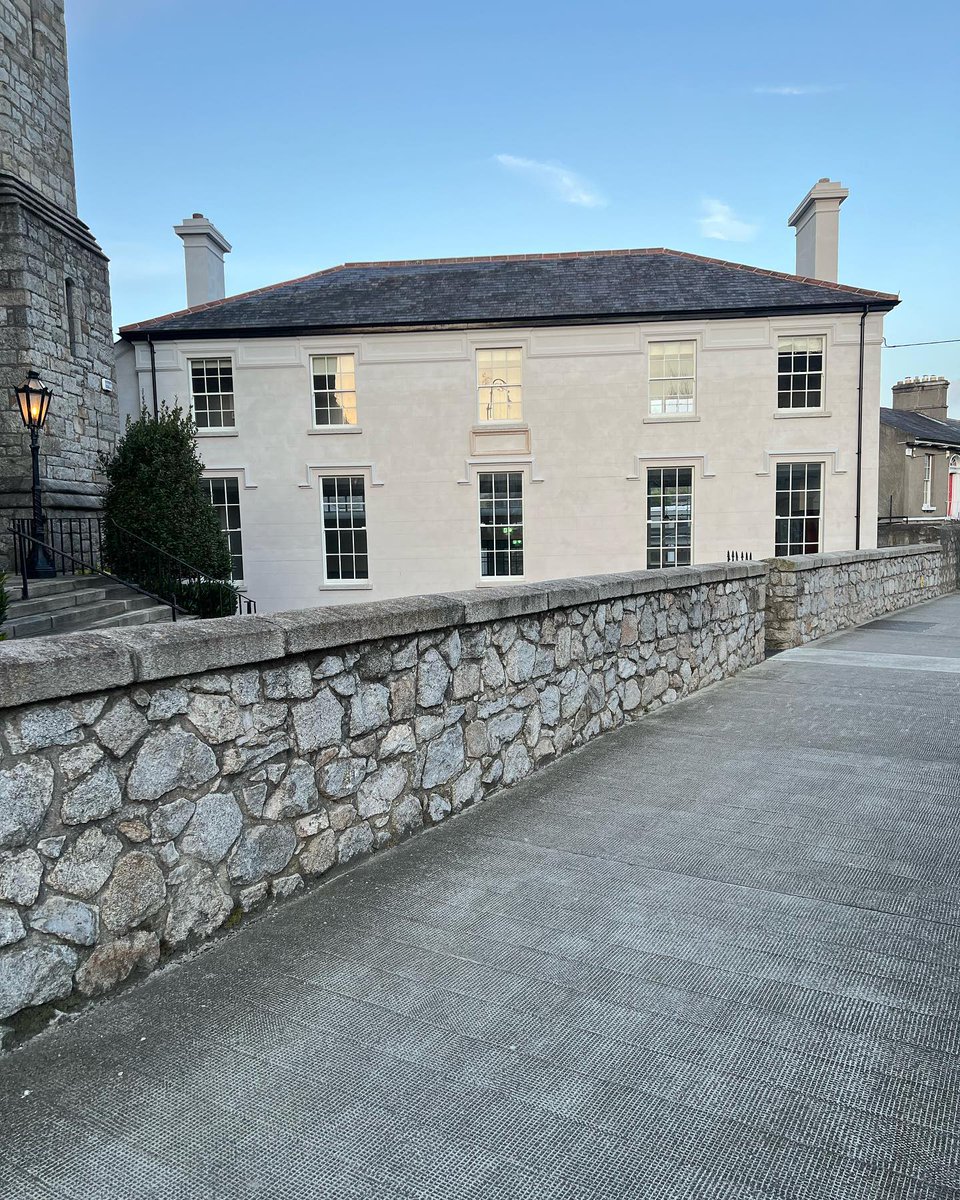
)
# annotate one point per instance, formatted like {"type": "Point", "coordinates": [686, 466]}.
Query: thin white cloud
{"type": "Point", "coordinates": [721, 222]}
{"type": "Point", "coordinates": [560, 181]}
{"type": "Point", "coordinates": [796, 89]}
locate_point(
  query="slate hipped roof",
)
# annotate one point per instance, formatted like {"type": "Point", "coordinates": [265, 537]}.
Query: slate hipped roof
{"type": "Point", "coordinates": [583, 287]}
{"type": "Point", "coordinates": [920, 428]}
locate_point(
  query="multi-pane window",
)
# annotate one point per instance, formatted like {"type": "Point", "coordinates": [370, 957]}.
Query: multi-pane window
{"type": "Point", "coordinates": [334, 389]}
{"type": "Point", "coordinates": [799, 508]}
{"type": "Point", "coordinates": [928, 481]}
{"type": "Point", "coordinates": [669, 516]}
{"type": "Point", "coordinates": [800, 372]}
{"type": "Point", "coordinates": [225, 498]}
{"type": "Point", "coordinates": [211, 390]}
{"type": "Point", "coordinates": [344, 528]}
{"type": "Point", "coordinates": [673, 377]}
{"type": "Point", "coordinates": [501, 523]}
{"type": "Point", "coordinates": [499, 384]}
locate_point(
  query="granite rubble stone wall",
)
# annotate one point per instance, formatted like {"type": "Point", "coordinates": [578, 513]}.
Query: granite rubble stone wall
{"type": "Point", "coordinates": [157, 784]}
{"type": "Point", "coordinates": [813, 595]}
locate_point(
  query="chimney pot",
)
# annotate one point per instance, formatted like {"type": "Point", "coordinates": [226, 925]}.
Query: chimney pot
{"type": "Point", "coordinates": [817, 222]}
{"type": "Point", "coordinates": [203, 249]}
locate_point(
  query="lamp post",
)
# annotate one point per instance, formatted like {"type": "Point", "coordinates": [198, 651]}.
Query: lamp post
{"type": "Point", "coordinates": [33, 400]}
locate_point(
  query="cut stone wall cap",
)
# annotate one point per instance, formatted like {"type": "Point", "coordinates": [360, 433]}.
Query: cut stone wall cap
{"type": "Point", "coordinates": [189, 647]}
{"type": "Point", "coordinates": [565, 593]}
{"type": "Point", "coordinates": [504, 602]}
{"type": "Point", "coordinates": [344, 624]}
{"type": "Point", "coordinates": [813, 562]}
{"type": "Point", "coordinates": [48, 668]}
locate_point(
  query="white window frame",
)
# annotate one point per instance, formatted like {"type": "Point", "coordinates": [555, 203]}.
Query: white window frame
{"type": "Point", "coordinates": [353, 581]}
{"type": "Point", "coordinates": [813, 462]}
{"type": "Point", "coordinates": [486, 404]}
{"type": "Point", "coordinates": [510, 575]}
{"type": "Point", "coordinates": [220, 359]}
{"type": "Point", "coordinates": [803, 408]}
{"type": "Point", "coordinates": [337, 391]}
{"type": "Point", "coordinates": [224, 479]}
{"type": "Point", "coordinates": [663, 411]}
{"type": "Point", "coordinates": [928, 505]}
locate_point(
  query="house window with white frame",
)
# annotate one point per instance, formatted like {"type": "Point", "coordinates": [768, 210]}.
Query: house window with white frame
{"type": "Point", "coordinates": [501, 523]}
{"type": "Point", "coordinates": [799, 507]}
{"type": "Point", "coordinates": [211, 392]}
{"type": "Point", "coordinates": [928, 483]}
{"type": "Point", "coordinates": [669, 517]}
{"type": "Point", "coordinates": [224, 493]}
{"type": "Point", "coordinates": [344, 509]}
{"type": "Point", "coordinates": [673, 378]}
{"type": "Point", "coordinates": [334, 389]}
{"type": "Point", "coordinates": [800, 372]}
{"type": "Point", "coordinates": [499, 384]}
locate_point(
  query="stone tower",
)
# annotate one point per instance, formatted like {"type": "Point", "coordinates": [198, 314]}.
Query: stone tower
{"type": "Point", "coordinates": [54, 282]}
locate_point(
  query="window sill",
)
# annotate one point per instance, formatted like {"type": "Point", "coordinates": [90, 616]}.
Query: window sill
{"type": "Point", "coordinates": [332, 430]}
{"type": "Point", "coordinates": [215, 433]}
{"type": "Point", "coordinates": [500, 580]}
{"type": "Point", "coordinates": [519, 423]}
{"type": "Point", "coordinates": [670, 418]}
{"type": "Point", "coordinates": [785, 414]}
{"type": "Point", "coordinates": [348, 585]}
{"type": "Point", "coordinates": [928, 508]}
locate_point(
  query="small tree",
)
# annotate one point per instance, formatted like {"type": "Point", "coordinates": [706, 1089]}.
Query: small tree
{"type": "Point", "coordinates": [155, 490]}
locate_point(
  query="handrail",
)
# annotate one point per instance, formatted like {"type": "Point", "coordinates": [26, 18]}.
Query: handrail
{"type": "Point", "coordinates": [22, 537]}
{"type": "Point", "coordinates": [162, 575]}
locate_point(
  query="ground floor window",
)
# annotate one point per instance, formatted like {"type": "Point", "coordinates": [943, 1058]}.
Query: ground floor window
{"type": "Point", "coordinates": [799, 508]}
{"type": "Point", "coordinates": [344, 528]}
{"type": "Point", "coordinates": [225, 497]}
{"type": "Point", "coordinates": [501, 523]}
{"type": "Point", "coordinates": [669, 517]}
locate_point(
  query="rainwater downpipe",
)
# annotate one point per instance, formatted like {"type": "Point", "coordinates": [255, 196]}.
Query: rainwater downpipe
{"type": "Point", "coordinates": [863, 324]}
{"type": "Point", "coordinates": [153, 371]}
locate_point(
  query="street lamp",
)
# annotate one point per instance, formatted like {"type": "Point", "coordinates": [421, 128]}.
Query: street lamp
{"type": "Point", "coordinates": [33, 400]}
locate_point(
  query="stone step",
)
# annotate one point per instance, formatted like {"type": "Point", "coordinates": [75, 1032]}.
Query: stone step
{"type": "Point", "coordinates": [39, 588]}
{"type": "Point", "coordinates": [139, 616]}
{"type": "Point", "coordinates": [81, 616]}
{"type": "Point", "coordinates": [58, 601]}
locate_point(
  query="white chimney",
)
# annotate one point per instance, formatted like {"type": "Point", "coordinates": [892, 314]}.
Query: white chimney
{"type": "Point", "coordinates": [817, 222]}
{"type": "Point", "coordinates": [203, 249]}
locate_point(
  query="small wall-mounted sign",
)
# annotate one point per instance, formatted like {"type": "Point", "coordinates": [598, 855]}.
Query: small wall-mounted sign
{"type": "Point", "coordinates": [106, 385]}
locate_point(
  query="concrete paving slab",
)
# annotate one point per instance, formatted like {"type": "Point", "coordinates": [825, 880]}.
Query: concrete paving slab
{"type": "Point", "coordinates": [716, 954]}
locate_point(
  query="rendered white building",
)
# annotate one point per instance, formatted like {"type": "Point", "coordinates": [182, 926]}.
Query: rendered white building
{"type": "Point", "coordinates": [382, 429]}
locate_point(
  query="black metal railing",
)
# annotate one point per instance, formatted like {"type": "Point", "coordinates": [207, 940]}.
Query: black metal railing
{"type": "Point", "coordinates": [739, 556]}
{"type": "Point", "coordinates": [93, 546]}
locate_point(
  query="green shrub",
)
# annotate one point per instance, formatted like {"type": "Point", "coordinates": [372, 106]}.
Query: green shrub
{"type": "Point", "coordinates": [208, 598]}
{"type": "Point", "coordinates": [155, 490]}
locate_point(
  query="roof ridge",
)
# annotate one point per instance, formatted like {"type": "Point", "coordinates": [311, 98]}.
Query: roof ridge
{"type": "Point", "coordinates": [554, 256]}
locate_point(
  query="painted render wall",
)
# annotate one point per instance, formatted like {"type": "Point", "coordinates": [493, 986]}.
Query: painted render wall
{"type": "Point", "coordinates": [584, 447]}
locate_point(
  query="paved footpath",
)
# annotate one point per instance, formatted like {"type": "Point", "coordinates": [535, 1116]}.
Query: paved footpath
{"type": "Point", "coordinates": [715, 954]}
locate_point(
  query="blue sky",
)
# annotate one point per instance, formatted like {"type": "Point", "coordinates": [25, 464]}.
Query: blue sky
{"type": "Point", "coordinates": [316, 133]}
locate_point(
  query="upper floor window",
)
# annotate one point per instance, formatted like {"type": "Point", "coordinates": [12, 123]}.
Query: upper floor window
{"type": "Point", "coordinates": [211, 392]}
{"type": "Point", "coordinates": [344, 528]}
{"type": "Point", "coordinates": [499, 384]}
{"type": "Point", "coordinates": [334, 389]}
{"type": "Point", "coordinates": [800, 372]}
{"type": "Point", "coordinates": [799, 508]}
{"type": "Point", "coordinates": [673, 377]}
{"type": "Point", "coordinates": [501, 523]}
{"type": "Point", "coordinates": [224, 495]}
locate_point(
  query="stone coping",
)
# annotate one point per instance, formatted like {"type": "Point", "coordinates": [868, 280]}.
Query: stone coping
{"type": "Point", "coordinates": [49, 668]}
{"type": "Point", "coordinates": [813, 562]}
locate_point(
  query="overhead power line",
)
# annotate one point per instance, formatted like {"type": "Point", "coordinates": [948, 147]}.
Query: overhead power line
{"type": "Point", "coordinates": [900, 345]}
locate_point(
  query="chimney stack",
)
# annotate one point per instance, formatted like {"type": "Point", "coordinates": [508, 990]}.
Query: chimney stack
{"type": "Point", "coordinates": [203, 249]}
{"type": "Point", "coordinates": [924, 394]}
{"type": "Point", "coordinates": [817, 222]}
